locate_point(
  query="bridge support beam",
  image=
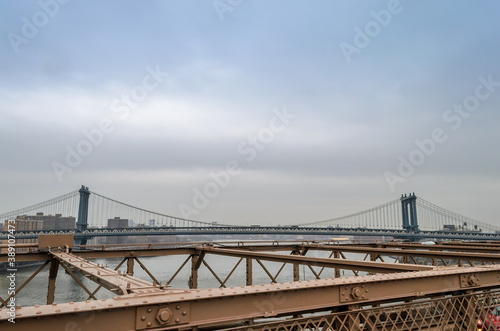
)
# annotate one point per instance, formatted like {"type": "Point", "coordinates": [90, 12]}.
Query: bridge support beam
{"type": "Point", "coordinates": [54, 267]}
{"type": "Point", "coordinates": [196, 261]}
{"type": "Point", "coordinates": [249, 272]}
{"type": "Point", "coordinates": [130, 266]}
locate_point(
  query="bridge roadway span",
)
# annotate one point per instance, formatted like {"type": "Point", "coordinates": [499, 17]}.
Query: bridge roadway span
{"type": "Point", "coordinates": [432, 296]}
{"type": "Point", "coordinates": [276, 230]}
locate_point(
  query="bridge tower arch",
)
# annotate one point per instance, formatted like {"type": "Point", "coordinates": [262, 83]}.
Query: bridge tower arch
{"type": "Point", "coordinates": [409, 212]}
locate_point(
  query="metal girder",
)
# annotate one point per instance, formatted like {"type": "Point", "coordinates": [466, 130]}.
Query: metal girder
{"type": "Point", "coordinates": [411, 252]}
{"type": "Point", "coordinates": [103, 254]}
{"type": "Point", "coordinates": [210, 307]}
{"type": "Point", "coordinates": [368, 266]}
{"type": "Point", "coordinates": [113, 280]}
{"type": "Point", "coordinates": [455, 247]}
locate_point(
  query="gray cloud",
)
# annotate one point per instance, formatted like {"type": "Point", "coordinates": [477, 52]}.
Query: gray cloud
{"type": "Point", "coordinates": [354, 120]}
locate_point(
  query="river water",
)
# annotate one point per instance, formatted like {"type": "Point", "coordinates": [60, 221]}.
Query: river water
{"type": "Point", "coordinates": [35, 293]}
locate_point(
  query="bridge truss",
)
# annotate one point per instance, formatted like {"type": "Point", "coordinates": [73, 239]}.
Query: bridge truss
{"type": "Point", "coordinates": [389, 286]}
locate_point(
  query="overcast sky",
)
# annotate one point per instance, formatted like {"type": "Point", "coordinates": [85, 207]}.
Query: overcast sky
{"type": "Point", "coordinates": [246, 111]}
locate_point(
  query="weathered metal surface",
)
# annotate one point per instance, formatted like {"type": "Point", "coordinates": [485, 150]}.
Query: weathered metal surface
{"type": "Point", "coordinates": [46, 241]}
{"type": "Point", "coordinates": [368, 266]}
{"type": "Point", "coordinates": [213, 306]}
{"type": "Point", "coordinates": [488, 257]}
{"type": "Point", "coordinates": [435, 298]}
{"type": "Point", "coordinates": [113, 280]}
{"type": "Point", "coordinates": [442, 314]}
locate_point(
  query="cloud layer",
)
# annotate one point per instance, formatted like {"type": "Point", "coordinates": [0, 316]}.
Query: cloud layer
{"type": "Point", "coordinates": [70, 65]}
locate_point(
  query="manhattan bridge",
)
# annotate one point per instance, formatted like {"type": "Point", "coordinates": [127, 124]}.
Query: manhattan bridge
{"type": "Point", "coordinates": [432, 270]}
{"type": "Point", "coordinates": [408, 217]}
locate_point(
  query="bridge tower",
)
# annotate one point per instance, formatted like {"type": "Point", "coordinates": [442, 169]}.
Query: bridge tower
{"type": "Point", "coordinates": [409, 212]}
{"type": "Point", "coordinates": [83, 211]}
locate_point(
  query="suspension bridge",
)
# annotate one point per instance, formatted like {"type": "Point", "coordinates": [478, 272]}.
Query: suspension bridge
{"type": "Point", "coordinates": [407, 217]}
{"type": "Point", "coordinates": [389, 285]}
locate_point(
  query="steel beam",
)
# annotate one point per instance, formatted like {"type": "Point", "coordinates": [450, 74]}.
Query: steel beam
{"type": "Point", "coordinates": [209, 307]}
{"type": "Point", "coordinates": [54, 268]}
{"type": "Point", "coordinates": [113, 280]}
{"type": "Point", "coordinates": [368, 266]}
{"type": "Point", "coordinates": [410, 252]}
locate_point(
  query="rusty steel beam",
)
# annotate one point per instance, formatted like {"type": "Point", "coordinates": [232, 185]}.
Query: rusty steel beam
{"type": "Point", "coordinates": [440, 246]}
{"type": "Point", "coordinates": [112, 280]}
{"type": "Point", "coordinates": [54, 267]}
{"type": "Point", "coordinates": [211, 307]}
{"type": "Point", "coordinates": [411, 252]}
{"type": "Point", "coordinates": [150, 250]}
{"type": "Point", "coordinates": [368, 266]}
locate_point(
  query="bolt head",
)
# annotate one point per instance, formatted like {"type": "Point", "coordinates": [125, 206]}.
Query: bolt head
{"type": "Point", "coordinates": [356, 293]}
{"type": "Point", "coordinates": [164, 315]}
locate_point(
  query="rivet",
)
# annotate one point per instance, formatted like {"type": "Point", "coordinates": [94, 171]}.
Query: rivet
{"type": "Point", "coordinates": [150, 310]}
{"type": "Point", "coordinates": [177, 320]}
{"type": "Point", "coordinates": [143, 318]}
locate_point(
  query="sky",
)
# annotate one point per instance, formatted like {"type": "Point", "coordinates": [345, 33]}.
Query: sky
{"type": "Point", "coordinates": [252, 112]}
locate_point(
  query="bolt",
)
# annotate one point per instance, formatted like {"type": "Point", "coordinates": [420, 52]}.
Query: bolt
{"type": "Point", "coordinates": [356, 292]}
{"type": "Point", "coordinates": [164, 316]}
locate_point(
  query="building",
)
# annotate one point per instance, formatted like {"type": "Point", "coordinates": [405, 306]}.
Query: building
{"type": "Point", "coordinates": [115, 223]}
{"type": "Point", "coordinates": [52, 222]}
{"type": "Point", "coordinates": [22, 225]}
